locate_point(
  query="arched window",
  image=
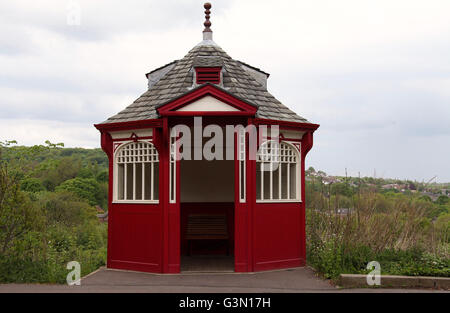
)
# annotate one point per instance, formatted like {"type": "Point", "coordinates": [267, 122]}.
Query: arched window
{"type": "Point", "coordinates": [277, 173]}
{"type": "Point", "coordinates": [136, 173]}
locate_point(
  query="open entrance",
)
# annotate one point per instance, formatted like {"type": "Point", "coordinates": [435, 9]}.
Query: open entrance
{"type": "Point", "coordinates": [207, 215]}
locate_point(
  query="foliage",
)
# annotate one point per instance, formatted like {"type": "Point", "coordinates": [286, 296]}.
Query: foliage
{"type": "Point", "coordinates": [32, 185]}
{"type": "Point", "coordinates": [405, 233]}
{"type": "Point", "coordinates": [17, 214]}
{"type": "Point", "coordinates": [42, 229]}
{"type": "Point", "coordinates": [85, 188]}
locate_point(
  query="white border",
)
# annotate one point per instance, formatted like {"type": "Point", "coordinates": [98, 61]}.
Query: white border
{"type": "Point", "coordinates": [297, 178]}
{"type": "Point", "coordinates": [115, 174]}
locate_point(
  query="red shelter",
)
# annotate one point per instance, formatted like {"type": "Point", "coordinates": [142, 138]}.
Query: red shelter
{"type": "Point", "coordinates": [178, 189]}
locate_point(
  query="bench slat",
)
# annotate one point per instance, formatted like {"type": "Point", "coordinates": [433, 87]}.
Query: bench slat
{"type": "Point", "coordinates": [207, 226]}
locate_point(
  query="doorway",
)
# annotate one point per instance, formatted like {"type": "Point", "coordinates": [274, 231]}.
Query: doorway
{"type": "Point", "coordinates": [207, 215]}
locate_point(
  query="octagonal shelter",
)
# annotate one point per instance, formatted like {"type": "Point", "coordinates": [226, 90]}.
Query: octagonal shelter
{"type": "Point", "coordinates": [240, 206]}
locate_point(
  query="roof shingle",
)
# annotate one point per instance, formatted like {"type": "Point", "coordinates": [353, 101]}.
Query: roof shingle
{"type": "Point", "coordinates": [179, 80]}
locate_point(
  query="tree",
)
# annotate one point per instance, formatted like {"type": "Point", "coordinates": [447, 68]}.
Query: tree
{"type": "Point", "coordinates": [443, 200]}
{"type": "Point", "coordinates": [86, 188]}
{"type": "Point", "coordinates": [64, 207]}
{"type": "Point", "coordinates": [53, 172]}
{"type": "Point", "coordinates": [17, 214]}
{"type": "Point", "coordinates": [31, 185]}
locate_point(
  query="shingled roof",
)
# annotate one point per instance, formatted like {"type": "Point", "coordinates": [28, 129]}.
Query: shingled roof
{"type": "Point", "coordinates": [179, 81]}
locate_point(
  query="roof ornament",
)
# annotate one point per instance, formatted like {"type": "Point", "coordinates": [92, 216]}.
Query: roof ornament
{"type": "Point", "coordinates": [207, 32]}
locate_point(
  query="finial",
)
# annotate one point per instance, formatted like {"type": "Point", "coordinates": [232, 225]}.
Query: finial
{"type": "Point", "coordinates": [207, 32]}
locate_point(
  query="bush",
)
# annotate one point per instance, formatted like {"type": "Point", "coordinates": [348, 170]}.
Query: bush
{"type": "Point", "coordinates": [32, 185]}
{"type": "Point", "coordinates": [86, 188]}
{"type": "Point", "coordinates": [65, 208]}
{"type": "Point", "coordinates": [392, 229]}
{"type": "Point", "coordinates": [42, 230]}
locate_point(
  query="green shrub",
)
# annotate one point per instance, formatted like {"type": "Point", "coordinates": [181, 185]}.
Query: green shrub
{"type": "Point", "coordinates": [85, 188]}
{"type": "Point", "coordinates": [32, 185]}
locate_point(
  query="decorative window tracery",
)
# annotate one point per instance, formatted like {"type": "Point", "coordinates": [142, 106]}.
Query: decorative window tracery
{"type": "Point", "coordinates": [277, 173]}
{"type": "Point", "coordinates": [136, 173]}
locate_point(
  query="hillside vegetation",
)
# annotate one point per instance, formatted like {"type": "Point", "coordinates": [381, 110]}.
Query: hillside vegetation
{"type": "Point", "coordinates": [50, 195]}
{"type": "Point", "coordinates": [48, 199]}
{"type": "Point", "coordinates": [353, 221]}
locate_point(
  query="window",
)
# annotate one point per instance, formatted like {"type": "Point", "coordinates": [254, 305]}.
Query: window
{"type": "Point", "coordinates": [207, 75]}
{"type": "Point", "coordinates": [277, 173]}
{"type": "Point", "coordinates": [137, 173]}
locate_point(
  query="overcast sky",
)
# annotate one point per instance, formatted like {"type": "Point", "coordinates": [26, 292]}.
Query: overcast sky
{"type": "Point", "coordinates": [374, 74]}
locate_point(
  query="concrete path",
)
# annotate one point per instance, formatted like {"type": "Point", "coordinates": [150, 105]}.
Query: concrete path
{"type": "Point", "coordinates": [106, 280]}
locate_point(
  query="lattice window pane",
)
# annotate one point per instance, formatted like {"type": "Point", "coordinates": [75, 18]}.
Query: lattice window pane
{"type": "Point", "coordinates": [138, 181]}
{"type": "Point", "coordinates": [284, 181]}
{"type": "Point", "coordinates": [293, 181]}
{"type": "Point", "coordinates": [279, 178]}
{"type": "Point", "coordinates": [258, 180]}
{"type": "Point", "coordinates": [136, 172]}
{"type": "Point", "coordinates": [156, 181]}
{"type": "Point", "coordinates": [276, 182]}
{"type": "Point", "coordinates": [148, 181]}
{"type": "Point", "coordinates": [120, 181]}
{"type": "Point", "coordinates": [129, 181]}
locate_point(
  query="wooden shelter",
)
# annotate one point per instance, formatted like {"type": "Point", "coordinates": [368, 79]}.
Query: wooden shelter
{"type": "Point", "coordinates": [162, 207]}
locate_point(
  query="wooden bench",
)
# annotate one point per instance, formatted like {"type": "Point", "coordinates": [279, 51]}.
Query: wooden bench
{"type": "Point", "coordinates": [206, 227]}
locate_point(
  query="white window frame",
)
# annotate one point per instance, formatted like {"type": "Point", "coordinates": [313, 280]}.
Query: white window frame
{"type": "Point", "coordinates": [297, 176]}
{"type": "Point", "coordinates": [123, 144]}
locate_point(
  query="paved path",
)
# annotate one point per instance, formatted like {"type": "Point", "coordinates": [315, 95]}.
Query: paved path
{"type": "Point", "coordinates": [106, 280]}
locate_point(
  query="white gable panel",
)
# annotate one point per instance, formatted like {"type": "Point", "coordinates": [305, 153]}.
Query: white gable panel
{"type": "Point", "coordinates": [128, 133]}
{"type": "Point", "coordinates": [209, 104]}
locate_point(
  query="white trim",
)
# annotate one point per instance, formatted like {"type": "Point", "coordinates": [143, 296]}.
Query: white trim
{"type": "Point", "coordinates": [137, 201]}
{"type": "Point", "coordinates": [172, 171]}
{"type": "Point", "coordinates": [127, 133]}
{"type": "Point", "coordinates": [278, 201]}
{"type": "Point", "coordinates": [271, 182]}
{"type": "Point", "coordinates": [266, 157]}
{"type": "Point", "coordinates": [148, 154]}
{"type": "Point", "coordinates": [125, 191]}
{"type": "Point", "coordinates": [242, 153]}
{"type": "Point", "coordinates": [134, 182]}
{"type": "Point", "coordinates": [152, 190]}
{"type": "Point", "coordinates": [143, 182]}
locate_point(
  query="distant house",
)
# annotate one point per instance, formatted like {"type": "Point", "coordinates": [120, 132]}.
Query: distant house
{"type": "Point", "coordinates": [394, 186]}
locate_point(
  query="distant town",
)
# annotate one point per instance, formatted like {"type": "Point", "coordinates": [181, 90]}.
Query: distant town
{"type": "Point", "coordinates": [430, 188]}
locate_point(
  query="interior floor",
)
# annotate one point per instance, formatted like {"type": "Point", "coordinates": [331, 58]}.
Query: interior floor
{"type": "Point", "coordinates": [207, 263]}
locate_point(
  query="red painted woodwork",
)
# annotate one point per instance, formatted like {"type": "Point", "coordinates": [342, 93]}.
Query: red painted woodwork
{"type": "Point", "coordinates": [148, 237]}
{"type": "Point", "coordinates": [277, 240]}
{"type": "Point", "coordinates": [208, 75]}
{"type": "Point", "coordinates": [287, 125]}
{"type": "Point", "coordinates": [135, 237]}
{"type": "Point", "coordinates": [307, 143]}
{"type": "Point", "coordinates": [241, 248]}
{"type": "Point", "coordinates": [129, 125]}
